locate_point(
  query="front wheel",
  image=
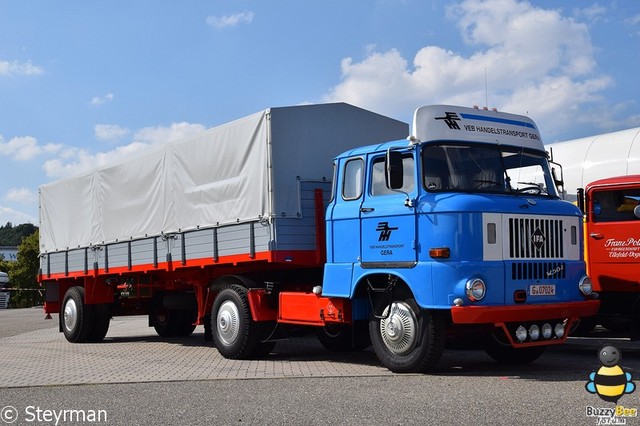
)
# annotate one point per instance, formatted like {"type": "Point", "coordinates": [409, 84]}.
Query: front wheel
{"type": "Point", "coordinates": [408, 339]}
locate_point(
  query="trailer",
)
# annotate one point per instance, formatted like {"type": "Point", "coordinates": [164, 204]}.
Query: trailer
{"type": "Point", "coordinates": [326, 216]}
{"type": "Point", "coordinates": [596, 157]}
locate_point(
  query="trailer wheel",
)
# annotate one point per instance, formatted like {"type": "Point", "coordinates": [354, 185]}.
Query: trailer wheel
{"type": "Point", "coordinates": [100, 325]}
{"type": "Point", "coordinates": [408, 340]}
{"type": "Point", "coordinates": [173, 322]}
{"type": "Point", "coordinates": [75, 316]}
{"type": "Point", "coordinates": [235, 335]}
{"type": "Point", "coordinates": [504, 353]}
{"type": "Point", "coordinates": [185, 322]}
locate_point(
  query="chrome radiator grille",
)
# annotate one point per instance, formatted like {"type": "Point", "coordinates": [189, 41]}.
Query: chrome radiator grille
{"type": "Point", "coordinates": [532, 238]}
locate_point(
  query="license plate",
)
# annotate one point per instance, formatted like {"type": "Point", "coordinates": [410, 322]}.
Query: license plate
{"type": "Point", "coordinates": [542, 290]}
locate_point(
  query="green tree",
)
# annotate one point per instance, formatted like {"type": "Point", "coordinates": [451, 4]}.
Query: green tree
{"type": "Point", "coordinates": [5, 266]}
{"type": "Point", "coordinates": [24, 272]}
{"type": "Point", "coordinates": [12, 235]}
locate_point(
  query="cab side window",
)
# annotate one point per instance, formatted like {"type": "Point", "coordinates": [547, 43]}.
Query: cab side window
{"type": "Point", "coordinates": [353, 179]}
{"type": "Point", "coordinates": [615, 205]}
{"type": "Point", "coordinates": [378, 182]}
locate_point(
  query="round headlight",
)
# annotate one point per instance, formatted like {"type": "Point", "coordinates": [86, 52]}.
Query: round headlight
{"type": "Point", "coordinates": [547, 330]}
{"type": "Point", "coordinates": [585, 285]}
{"type": "Point", "coordinates": [559, 330]}
{"type": "Point", "coordinates": [521, 334]}
{"type": "Point", "coordinates": [476, 289]}
{"type": "Point", "coordinates": [534, 332]}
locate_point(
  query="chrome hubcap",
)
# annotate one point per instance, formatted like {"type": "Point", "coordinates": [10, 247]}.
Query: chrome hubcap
{"type": "Point", "coordinates": [399, 329]}
{"type": "Point", "coordinates": [70, 315]}
{"type": "Point", "coordinates": [228, 323]}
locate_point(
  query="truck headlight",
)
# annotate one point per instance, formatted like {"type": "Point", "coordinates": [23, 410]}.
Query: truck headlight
{"type": "Point", "coordinates": [585, 285]}
{"type": "Point", "coordinates": [476, 289]}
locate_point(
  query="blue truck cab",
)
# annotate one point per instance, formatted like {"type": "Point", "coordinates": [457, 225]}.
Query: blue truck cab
{"type": "Point", "coordinates": [456, 231]}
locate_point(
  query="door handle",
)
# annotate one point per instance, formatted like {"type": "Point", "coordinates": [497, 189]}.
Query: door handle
{"type": "Point", "coordinates": [366, 209]}
{"type": "Point", "coordinates": [596, 235]}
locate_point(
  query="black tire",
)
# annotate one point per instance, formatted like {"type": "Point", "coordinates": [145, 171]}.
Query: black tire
{"type": "Point", "coordinates": [173, 322]}
{"type": "Point", "coordinates": [185, 320]}
{"type": "Point", "coordinates": [162, 322]}
{"type": "Point", "coordinates": [100, 325]}
{"type": "Point", "coordinates": [504, 353]}
{"type": "Point", "coordinates": [76, 318]}
{"type": "Point", "coordinates": [409, 340]}
{"type": "Point", "coordinates": [235, 334]}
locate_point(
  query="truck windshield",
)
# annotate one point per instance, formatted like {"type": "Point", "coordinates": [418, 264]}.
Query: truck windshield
{"type": "Point", "coordinates": [486, 169]}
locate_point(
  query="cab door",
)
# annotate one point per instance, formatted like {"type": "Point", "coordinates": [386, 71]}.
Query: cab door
{"type": "Point", "coordinates": [388, 225]}
{"type": "Point", "coordinates": [613, 238]}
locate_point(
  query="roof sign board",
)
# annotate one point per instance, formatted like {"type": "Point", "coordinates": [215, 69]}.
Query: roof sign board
{"type": "Point", "coordinates": [447, 122]}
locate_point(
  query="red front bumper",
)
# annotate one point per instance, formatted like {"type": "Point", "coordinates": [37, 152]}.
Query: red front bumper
{"type": "Point", "coordinates": [505, 314]}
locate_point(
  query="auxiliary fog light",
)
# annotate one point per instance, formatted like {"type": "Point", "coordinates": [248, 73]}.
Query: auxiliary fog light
{"type": "Point", "coordinates": [476, 289]}
{"type": "Point", "coordinates": [585, 285]}
{"type": "Point", "coordinates": [521, 334]}
{"type": "Point", "coordinates": [559, 330]}
{"type": "Point", "coordinates": [534, 332]}
{"type": "Point", "coordinates": [547, 330]}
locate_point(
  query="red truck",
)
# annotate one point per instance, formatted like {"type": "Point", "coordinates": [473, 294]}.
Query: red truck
{"type": "Point", "coordinates": [612, 250]}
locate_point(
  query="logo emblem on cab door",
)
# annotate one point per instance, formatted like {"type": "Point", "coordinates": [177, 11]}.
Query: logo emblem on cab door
{"type": "Point", "coordinates": [385, 231]}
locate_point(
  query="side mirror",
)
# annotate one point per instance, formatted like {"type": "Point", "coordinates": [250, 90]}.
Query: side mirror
{"type": "Point", "coordinates": [394, 170]}
{"type": "Point", "coordinates": [558, 180]}
{"type": "Point", "coordinates": [582, 201]}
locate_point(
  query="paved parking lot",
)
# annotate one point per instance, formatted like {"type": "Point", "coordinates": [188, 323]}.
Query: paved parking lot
{"type": "Point", "coordinates": [133, 352]}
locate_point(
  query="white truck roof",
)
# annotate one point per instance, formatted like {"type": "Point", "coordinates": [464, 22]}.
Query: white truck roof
{"type": "Point", "coordinates": [448, 122]}
{"type": "Point", "coordinates": [4, 278]}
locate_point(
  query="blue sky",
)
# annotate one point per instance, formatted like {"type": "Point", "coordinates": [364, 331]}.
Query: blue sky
{"type": "Point", "coordinates": [85, 83]}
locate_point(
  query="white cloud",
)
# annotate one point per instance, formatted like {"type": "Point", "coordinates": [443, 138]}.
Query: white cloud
{"type": "Point", "coordinates": [109, 132]}
{"type": "Point", "coordinates": [21, 195]}
{"type": "Point", "coordinates": [25, 148]}
{"type": "Point", "coordinates": [226, 21]}
{"type": "Point", "coordinates": [73, 161]}
{"type": "Point", "coordinates": [593, 13]}
{"type": "Point", "coordinates": [633, 20]}
{"type": "Point", "coordinates": [19, 68]}
{"type": "Point", "coordinates": [536, 60]}
{"type": "Point", "coordinates": [158, 135]}
{"type": "Point", "coordinates": [99, 100]}
{"type": "Point", "coordinates": [8, 214]}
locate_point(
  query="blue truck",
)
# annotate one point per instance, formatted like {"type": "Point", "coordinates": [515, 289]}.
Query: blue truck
{"type": "Point", "coordinates": [456, 231]}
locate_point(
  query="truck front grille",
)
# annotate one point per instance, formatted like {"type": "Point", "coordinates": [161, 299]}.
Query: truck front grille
{"type": "Point", "coordinates": [531, 238]}
{"type": "Point", "coordinates": [538, 270]}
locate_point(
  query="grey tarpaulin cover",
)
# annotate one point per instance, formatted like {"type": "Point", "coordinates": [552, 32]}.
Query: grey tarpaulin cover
{"type": "Point", "coordinates": [240, 171]}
